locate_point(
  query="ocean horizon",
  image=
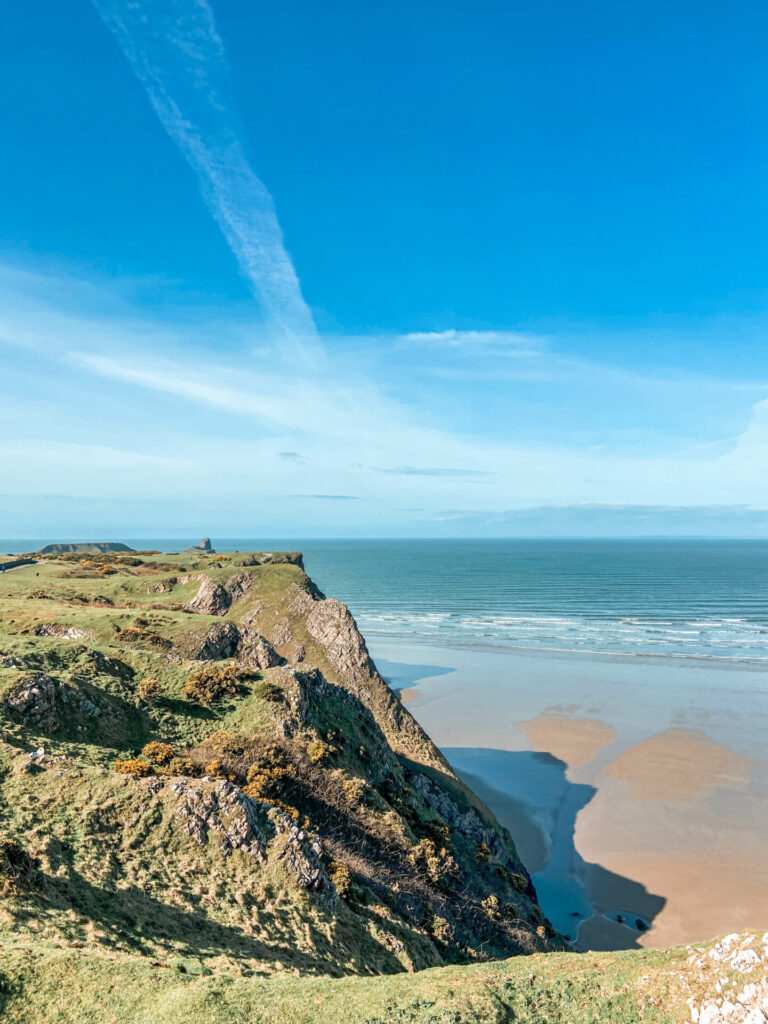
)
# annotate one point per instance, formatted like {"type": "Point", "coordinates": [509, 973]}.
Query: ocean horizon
{"type": "Point", "coordinates": [689, 598]}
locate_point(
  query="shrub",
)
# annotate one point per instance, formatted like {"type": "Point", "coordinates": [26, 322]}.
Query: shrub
{"type": "Point", "coordinates": [158, 753]}
{"type": "Point", "coordinates": [436, 861]}
{"type": "Point", "coordinates": [292, 813]}
{"type": "Point", "coordinates": [318, 751]}
{"type": "Point", "coordinates": [354, 789]}
{"type": "Point", "coordinates": [211, 683]}
{"type": "Point", "coordinates": [226, 744]}
{"type": "Point", "coordinates": [128, 635]}
{"type": "Point", "coordinates": [179, 766]}
{"type": "Point", "coordinates": [263, 778]}
{"type": "Point", "coordinates": [149, 688]}
{"type": "Point", "coordinates": [483, 851]}
{"type": "Point", "coordinates": [441, 930]}
{"type": "Point", "coordinates": [134, 766]}
{"type": "Point", "coordinates": [341, 878]}
{"type": "Point", "coordinates": [492, 907]}
{"type": "Point", "coordinates": [217, 770]}
{"type": "Point", "coordinates": [132, 635]}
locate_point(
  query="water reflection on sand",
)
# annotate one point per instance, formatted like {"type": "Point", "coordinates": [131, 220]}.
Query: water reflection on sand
{"type": "Point", "coordinates": [634, 788]}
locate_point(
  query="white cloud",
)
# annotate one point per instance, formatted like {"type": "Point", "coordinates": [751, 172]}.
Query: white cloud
{"type": "Point", "coordinates": [497, 343]}
{"type": "Point", "coordinates": [177, 55]}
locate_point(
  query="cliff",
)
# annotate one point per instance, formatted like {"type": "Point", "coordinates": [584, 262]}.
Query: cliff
{"type": "Point", "coordinates": [201, 759]}
{"type": "Point", "coordinates": [210, 794]}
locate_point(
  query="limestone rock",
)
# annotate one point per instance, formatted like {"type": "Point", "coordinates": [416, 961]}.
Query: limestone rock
{"type": "Point", "coordinates": [220, 641]}
{"type": "Point", "coordinates": [220, 810]}
{"type": "Point", "coordinates": [332, 625]}
{"type": "Point", "coordinates": [301, 855]}
{"type": "Point", "coordinates": [36, 699]}
{"type": "Point", "coordinates": [204, 547]}
{"type": "Point", "coordinates": [257, 652]}
{"type": "Point", "coordinates": [214, 598]}
{"type": "Point", "coordinates": [61, 631]}
{"type": "Point", "coordinates": [737, 1002]}
{"type": "Point", "coordinates": [239, 823]}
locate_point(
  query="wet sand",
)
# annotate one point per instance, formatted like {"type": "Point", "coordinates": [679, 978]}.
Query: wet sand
{"type": "Point", "coordinates": [635, 788]}
{"type": "Point", "coordinates": [573, 740]}
{"type": "Point", "coordinates": [678, 764]}
{"type": "Point", "coordinates": [408, 693]}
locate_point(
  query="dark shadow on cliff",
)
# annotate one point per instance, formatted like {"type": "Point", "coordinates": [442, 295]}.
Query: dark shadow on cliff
{"type": "Point", "coordinates": [532, 797]}
{"type": "Point", "coordinates": [131, 918]}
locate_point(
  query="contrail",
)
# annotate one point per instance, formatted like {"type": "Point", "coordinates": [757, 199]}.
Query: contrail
{"type": "Point", "coordinates": [178, 56]}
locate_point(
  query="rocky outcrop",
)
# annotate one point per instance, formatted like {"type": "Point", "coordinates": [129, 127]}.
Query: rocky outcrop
{"type": "Point", "coordinates": [216, 598]}
{"type": "Point", "coordinates": [204, 547]}
{"type": "Point", "coordinates": [35, 699]}
{"type": "Point", "coordinates": [471, 823]}
{"type": "Point", "coordinates": [220, 810]}
{"type": "Point", "coordinates": [62, 631]}
{"type": "Point", "coordinates": [300, 854]}
{"type": "Point", "coordinates": [40, 700]}
{"type": "Point", "coordinates": [257, 652]}
{"type": "Point", "coordinates": [331, 624]}
{"type": "Point", "coordinates": [220, 641]}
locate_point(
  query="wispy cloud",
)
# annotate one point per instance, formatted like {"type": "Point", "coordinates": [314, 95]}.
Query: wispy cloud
{"type": "Point", "coordinates": [178, 57]}
{"type": "Point", "coordinates": [498, 343]}
{"type": "Point", "coordinates": [428, 471]}
{"type": "Point", "coordinates": [327, 497]}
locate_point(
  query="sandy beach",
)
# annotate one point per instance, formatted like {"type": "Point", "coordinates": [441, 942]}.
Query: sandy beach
{"type": "Point", "coordinates": [635, 788]}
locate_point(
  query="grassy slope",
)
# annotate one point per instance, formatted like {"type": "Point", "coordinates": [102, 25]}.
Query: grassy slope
{"type": "Point", "coordinates": [650, 986]}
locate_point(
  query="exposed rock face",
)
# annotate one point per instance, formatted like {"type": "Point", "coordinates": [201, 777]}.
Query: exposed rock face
{"type": "Point", "coordinates": [301, 855]}
{"type": "Point", "coordinates": [241, 823]}
{"type": "Point", "coordinates": [301, 690]}
{"type": "Point", "coordinates": [471, 823]}
{"type": "Point", "coordinates": [41, 698]}
{"type": "Point", "coordinates": [216, 598]}
{"type": "Point", "coordinates": [257, 652]}
{"type": "Point", "coordinates": [221, 641]}
{"type": "Point", "coordinates": [238, 822]}
{"type": "Point", "coordinates": [61, 631]}
{"type": "Point", "coordinates": [36, 698]}
{"type": "Point", "coordinates": [332, 625]}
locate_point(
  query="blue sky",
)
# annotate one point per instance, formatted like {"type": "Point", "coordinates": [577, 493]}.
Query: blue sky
{"type": "Point", "coordinates": [414, 269]}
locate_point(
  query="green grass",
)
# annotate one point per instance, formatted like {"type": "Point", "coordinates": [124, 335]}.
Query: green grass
{"type": "Point", "coordinates": [90, 987]}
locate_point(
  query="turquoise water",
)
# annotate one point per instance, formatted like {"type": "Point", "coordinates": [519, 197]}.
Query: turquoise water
{"type": "Point", "coordinates": [692, 598]}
